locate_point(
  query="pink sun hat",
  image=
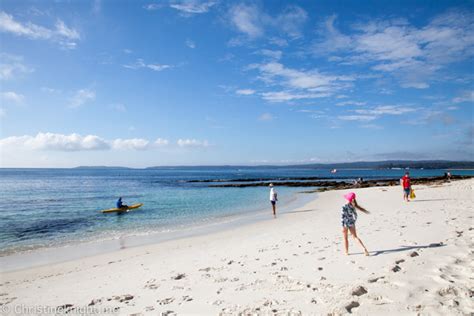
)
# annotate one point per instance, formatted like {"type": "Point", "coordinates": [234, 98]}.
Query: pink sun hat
{"type": "Point", "coordinates": [350, 196]}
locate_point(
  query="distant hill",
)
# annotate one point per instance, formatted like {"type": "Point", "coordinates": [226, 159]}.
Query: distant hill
{"type": "Point", "coordinates": [100, 167]}
{"type": "Point", "coordinates": [388, 164]}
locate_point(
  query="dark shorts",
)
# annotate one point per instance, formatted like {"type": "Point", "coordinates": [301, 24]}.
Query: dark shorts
{"type": "Point", "coordinates": [273, 202]}
{"type": "Point", "coordinates": [407, 191]}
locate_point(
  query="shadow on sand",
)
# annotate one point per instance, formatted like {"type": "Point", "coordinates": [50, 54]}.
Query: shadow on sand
{"type": "Point", "coordinates": [302, 211]}
{"type": "Point", "coordinates": [431, 200]}
{"type": "Point", "coordinates": [405, 248]}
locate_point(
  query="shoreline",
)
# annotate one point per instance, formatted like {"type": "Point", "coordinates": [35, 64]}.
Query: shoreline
{"type": "Point", "coordinates": [75, 250]}
{"type": "Point", "coordinates": [421, 262]}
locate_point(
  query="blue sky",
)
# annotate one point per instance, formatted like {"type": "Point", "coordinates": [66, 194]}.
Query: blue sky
{"type": "Point", "coordinates": [147, 83]}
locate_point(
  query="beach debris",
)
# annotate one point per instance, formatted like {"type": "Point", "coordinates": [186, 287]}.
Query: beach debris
{"type": "Point", "coordinates": [448, 291]}
{"type": "Point", "coordinates": [359, 290]}
{"type": "Point", "coordinates": [396, 268]}
{"type": "Point", "coordinates": [373, 280]}
{"type": "Point", "coordinates": [351, 305]}
{"type": "Point", "coordinates": [414, 254]}
{"type": "Point", "coordinates": [179, 276]}
{"type": "Point", "coordinates": [205, 269]}
{"type": "Point", "coordinates": [122, 298]}
{"type": "Point", "coordinates": [66, 308]}
{"type": "Point", "coordinates": [95, 301]}
{"type": "Point", "coordinates": [399, 261]}
{"type": "Point", "coordinates": [186, 298]}
{"type": "Point", "coordinates": [166, 301]}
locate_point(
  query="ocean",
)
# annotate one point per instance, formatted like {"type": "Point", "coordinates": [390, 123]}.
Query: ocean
{"type": "Point", "coordinates": [54, 207]}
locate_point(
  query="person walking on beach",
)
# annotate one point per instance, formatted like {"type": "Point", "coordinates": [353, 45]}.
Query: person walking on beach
{"type": "Point", "coordinates": [405, 182]}
{"type": "Point", "coordinates": [349, 217]}
{"type": "Point", "coordinates": [273, 198]}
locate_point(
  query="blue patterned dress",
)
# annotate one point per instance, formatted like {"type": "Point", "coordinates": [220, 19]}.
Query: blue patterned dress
{"type": "Point", "coordinates": [349, 215]}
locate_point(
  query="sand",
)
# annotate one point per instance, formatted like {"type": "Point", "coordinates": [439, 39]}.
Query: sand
{"type": "Point", "coordinates": [421, 263]}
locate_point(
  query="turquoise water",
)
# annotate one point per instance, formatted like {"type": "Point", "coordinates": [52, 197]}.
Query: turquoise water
{"type": "Point", "coordinates": [51, 207]}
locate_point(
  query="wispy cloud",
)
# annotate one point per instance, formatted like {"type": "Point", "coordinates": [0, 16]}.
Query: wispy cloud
{"type": "Point", "coordinates": [11, 96]}
{"type": "Point", "coordinates": [411, 53]}
{"type": "Point", "coordinates": [186, 8]}
{"type": "Point", "coordinates": [61, 34]}
{"type": "Point", "coordinates": [190, 43]}
{"type": "Point", "coordinates": [11, 66]}
{"type": "Point", "coordinates": [139, 64]}
{"type": "Point", "coordinates": [245, 91]}
{"type": "Point", "coordinates": [466, 96]}
{"type": "Point", "coordinates": [81, 97]}
{"type": "Point", "coordinates": [252, 22]}
{"type": "Point", "coordinates": [266, 117]}
{"type": "Point", "coordinates": [192, 143]}
{"type": "Point", "coordinates": [298, 84]}
{"type": "Point", "coordinates": [373, 113]}
{"type": "Point", "coordinates": [345, 103]}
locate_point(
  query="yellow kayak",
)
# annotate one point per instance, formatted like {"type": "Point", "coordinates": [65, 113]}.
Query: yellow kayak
{"type": "Point", "coordinates": [122, 209]}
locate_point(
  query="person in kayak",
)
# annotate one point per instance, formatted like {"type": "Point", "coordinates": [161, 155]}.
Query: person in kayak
{"type": "Point", "coordinates": [120, 204]}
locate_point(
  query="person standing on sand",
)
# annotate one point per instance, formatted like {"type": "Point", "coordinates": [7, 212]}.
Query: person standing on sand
{"type": "Point", "coordinates": [273, 198]}
{"type": "Point", "coordinates": [349, 217]}
{"type": "Point", "coordinates": [405, 182]}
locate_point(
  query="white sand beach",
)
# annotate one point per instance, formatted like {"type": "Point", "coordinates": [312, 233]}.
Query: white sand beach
{"type": "Point", "coordinates": [421, 263]}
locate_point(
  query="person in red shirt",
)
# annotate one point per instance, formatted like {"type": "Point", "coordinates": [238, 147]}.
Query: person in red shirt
{"type": "Point", "coordinates": [405, 182]}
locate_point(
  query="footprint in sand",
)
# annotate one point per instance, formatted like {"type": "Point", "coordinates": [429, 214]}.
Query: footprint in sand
{"type": "Point", "coordinates": [166, 301]}
{"type": "Point", "coordinates": [351, 306]}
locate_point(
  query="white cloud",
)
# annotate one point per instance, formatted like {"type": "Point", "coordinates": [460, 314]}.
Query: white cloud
{"type": "Point", "coordinates": [251, 21]}
{"type": "Point", "coordinates": [56, 142]}
{"type": "Point", "coordinates": [386, 110]}
{"type": "Point", "coordinates": [274, 54]}
{"type": "Point", "coordinates": [291, 21]}
{"type": "Point", "coordinates": [61, 34]}
{"type": "Point", "coordinates": [266, 117]}
{"type": "Point", "coordinates": [363, 118]}
{"type": "Point", "coordinates": [12, 97]}
{"type": "Point", "coordinates": [190, 43]}
{"type": "Point", "coordinates": [370, 114]}
{"type": "Point", "coordinates": [127, 144]}
{"type": "Point", "coordinates": [81, 97]}
{"type": "Point", "coordinates": [12, 66]}
{"type": "Point", "coordinates": [161, 142]}
{"type": "Point", "coordinates": [245, 91]}
{"type": "Point", "coordinates": [282, 96]}
{"type": "Point", "coordinates": [191, 7]}
{"type": "Point", "coordinates": [75, 142]}
{"type": "Point", "coordinates": [351, 103]}
{"type": "Point", "coordinates": [141, 64]}
{"type": "Point", "coordinates": [192, 143]}
{"type": "Point", "coordinates": [413, 54]}
{"type": "Point", "coordinates": [467, 96]}
{"type": "Point", "coordinates": [278, 41]}
{"type": "Point", "coordinates": [298, 84]}
{"type": "Point", "coordinates": [246, 18]}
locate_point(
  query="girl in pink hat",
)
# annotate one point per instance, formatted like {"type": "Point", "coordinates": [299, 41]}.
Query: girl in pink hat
{"type": "Point", "coordinates": [349, 217]}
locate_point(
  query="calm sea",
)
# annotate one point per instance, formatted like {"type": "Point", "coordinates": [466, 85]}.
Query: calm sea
{"type": "Point", "coordinates": [53, 207]}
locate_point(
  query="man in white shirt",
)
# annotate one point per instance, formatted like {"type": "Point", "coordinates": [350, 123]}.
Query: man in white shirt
{"type": "Point", "coordinates": [273, 198]}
